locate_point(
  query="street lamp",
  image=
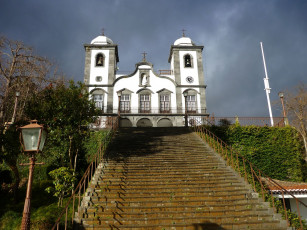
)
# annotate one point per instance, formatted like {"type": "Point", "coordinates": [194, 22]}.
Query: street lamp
{"type": "Point", "coordinates": [15, 106]}
{"type": "Point", "coordinates": [281, 96]}
{"type": "Point", "coordinates": [119, 94]}
{"type": "Point", "coordinates": [185, 94]}
{"type": "Point", "coordinates": [32, 138]}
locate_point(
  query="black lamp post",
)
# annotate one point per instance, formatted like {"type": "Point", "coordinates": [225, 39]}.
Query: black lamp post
{"type": "Point", "coordinates": [119, 94]}
{"type": "Point", "coordinates": [33, 138]}
{"type": "Point", "coordinates": [281, 96]}
{"type": "Point", "coordinates": [185, 94]}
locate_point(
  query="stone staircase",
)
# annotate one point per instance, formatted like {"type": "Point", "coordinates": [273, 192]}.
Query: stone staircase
{"type": "Point", "coordinates": [168, 178]}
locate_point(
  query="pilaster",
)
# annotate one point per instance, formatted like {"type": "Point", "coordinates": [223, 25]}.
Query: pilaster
{"type": "Point", "coordinates": [177, 80]}
{"type": "Point", "coordinates": [87, 65]}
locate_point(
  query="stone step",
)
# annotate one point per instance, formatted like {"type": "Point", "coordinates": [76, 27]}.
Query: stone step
{"type": "Point", "coordinates": [156, 162]}
{"type": "Point", "coordinates": [206, 173]}
{"type": "Point", "coordinates": [170, 203]}
{"type": "Point", "coordinates": [195, 226]}
{"type": "Point", "coordinates": [174, 180]}
{"type": "Point", "coordinates": [256, 207]}
{"type": "Point", "coordinates": [167, 171]}
{"type": "Point", "coordinates": [259, 219]}
{"type": "Point", "coordinates": [131, 178]}
{"type": "Point", "coordinates": [170, 197]}
{"type": "Point", "coordinates": [118, 215]}
{"type": "Point", "coordinates": [165, 184]}
{"type": "Point", "coordinates": [195, 192]}
{"type": "Point", "coordinates": [204, 188]}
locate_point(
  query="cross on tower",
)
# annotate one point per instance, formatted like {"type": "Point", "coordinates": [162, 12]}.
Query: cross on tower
{"type": "Point", "coordinates": [183, 34]}
{"type": "Point", "coordinates": [144, 56]}
{"type": "Point", "coordinates": [102, 31]}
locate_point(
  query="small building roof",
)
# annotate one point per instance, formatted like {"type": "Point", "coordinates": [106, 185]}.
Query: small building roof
{"type": "Point", "coordinates": [293, 187]}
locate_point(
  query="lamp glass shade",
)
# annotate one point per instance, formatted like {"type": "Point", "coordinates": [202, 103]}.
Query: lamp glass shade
{"type": "Point", "coordinates": [281, 94]}
{"type": "Point", "coordinates": [185, 94]}
{"type": "Point", "coordinates": [31, 139]}
{"type": "Point", "coordinates": [43, 139]}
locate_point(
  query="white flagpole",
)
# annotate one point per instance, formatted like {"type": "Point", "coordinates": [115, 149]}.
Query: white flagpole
{"type": "Point", "coordinates": [267, 86]}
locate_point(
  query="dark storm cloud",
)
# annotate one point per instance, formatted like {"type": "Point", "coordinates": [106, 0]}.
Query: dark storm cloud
{"type": "Point", "coordinates": [229, 30]}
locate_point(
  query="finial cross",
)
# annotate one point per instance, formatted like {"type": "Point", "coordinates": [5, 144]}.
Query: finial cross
{"type": "Point", "coordinates": [102, 31]}
{"type": "Point", "coordinates": [144, 56]}
{"type": "Point", "coordinates": [183, 34]}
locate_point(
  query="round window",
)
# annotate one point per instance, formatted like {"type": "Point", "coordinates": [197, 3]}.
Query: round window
{"type": "Point", "coordinates": [190, 79]}
{"type": "Point", "coordinates": [99, 78]}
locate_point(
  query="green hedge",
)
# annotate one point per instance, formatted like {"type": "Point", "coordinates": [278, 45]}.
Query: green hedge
{"type": "Point", "coordinates": [278, 152]}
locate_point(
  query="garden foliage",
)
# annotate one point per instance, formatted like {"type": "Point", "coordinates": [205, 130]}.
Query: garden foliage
{"type": "Point", "coordinates": [278, 152]}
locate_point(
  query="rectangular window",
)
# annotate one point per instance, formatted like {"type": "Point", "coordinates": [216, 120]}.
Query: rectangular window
{"type": "Point", "coordinates": [164, 103]}
{"type": "Point", "coordinates": [191, 103]}
{"type": "Point", "coordinates": [125, 103]}
{"type": "Point", "coordinates": [144, 103]}
{"type": "Point", "coordinates": [98, 99]}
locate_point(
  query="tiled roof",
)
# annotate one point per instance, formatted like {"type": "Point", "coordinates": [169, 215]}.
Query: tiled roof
{"type": "Point", "coordinates": [294, 187]}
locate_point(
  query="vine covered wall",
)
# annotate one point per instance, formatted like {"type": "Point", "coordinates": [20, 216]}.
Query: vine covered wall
{"type": "Point", "coordinates": [278, 152]}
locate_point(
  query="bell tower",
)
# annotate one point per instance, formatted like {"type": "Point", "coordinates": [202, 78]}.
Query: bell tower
{"type": "Point", "coordinates": [101, 58]}
{"type": "Point", "coordinates": [187, 66]}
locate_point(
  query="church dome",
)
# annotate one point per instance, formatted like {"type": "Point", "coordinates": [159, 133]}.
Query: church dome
{"type": "Point", "coordinates": [184, 41]}
{"type": "Point", "coordinates": [101, 40]}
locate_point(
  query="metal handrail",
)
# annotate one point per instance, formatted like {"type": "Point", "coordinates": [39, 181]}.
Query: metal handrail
{"type": "Point", "coordinates": [85, 181]}
{"type": "Point", "coordinates": [232, 157]}
{"type": "Point", "coordinates": [258, 121]}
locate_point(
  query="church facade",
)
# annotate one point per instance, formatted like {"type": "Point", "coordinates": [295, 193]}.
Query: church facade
{"type": "Point", "coordinates": [145, 98]}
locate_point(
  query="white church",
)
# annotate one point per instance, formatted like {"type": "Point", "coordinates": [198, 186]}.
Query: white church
{"type": "Point", "coordinates": [145, 98]}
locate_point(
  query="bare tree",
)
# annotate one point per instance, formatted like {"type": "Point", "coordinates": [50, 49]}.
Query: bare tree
{"type": "Point", "coordinates": [296, 106]}
{"type": "Point", "coordinates": [21, 70]}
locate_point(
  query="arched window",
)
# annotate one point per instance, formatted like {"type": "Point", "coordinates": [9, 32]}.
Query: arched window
{"type": "Point", "coordinates": [98, 98]}
{"type": "Point", "coordinates": [165, 103]}
{"type": "Point", "coordinates": [191, 100]}
{"type": "Point", "coordinates": [144, 100]}
{"type": "Point", "coordinates": [125, 103]}
{"type": "Point", "coordinates": [125, 100]}
{"type": "Point", "coordinates": [187, 60]}
{"type": "Point", "coordinates": [99, 60]}
{"type": "Point", "coordinates": [191, 103]}
{"type": "Point", "coordinates": [145, 103]}
{"type": "Point", "coordinates": [164, 100]}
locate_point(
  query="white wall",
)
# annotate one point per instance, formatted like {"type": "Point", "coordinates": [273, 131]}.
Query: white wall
{"type": "Point", "coordinates": [99, 70]}
{"type": "Point", "coordinates": [303, 209]}
{"type": "Point", "coordinates": [156, 84]}
{"type": "Point", "coordinates": [189, 71]}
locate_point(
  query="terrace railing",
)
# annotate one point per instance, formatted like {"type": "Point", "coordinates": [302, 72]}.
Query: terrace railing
{"type": "Point", "coordinates": [254, 176]}
{"type": "Point", "coordinates": [153, 110]}
{"type": "Point", "coordinates": [161, 72]}
{"type": "Point", "coordinates": [165, 72]}
{"type": "Point", "coordinates": [244, 121]}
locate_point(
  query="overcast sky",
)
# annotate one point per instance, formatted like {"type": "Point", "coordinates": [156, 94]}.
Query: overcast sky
{"type": "Point", "coordinates": [229, 30]}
